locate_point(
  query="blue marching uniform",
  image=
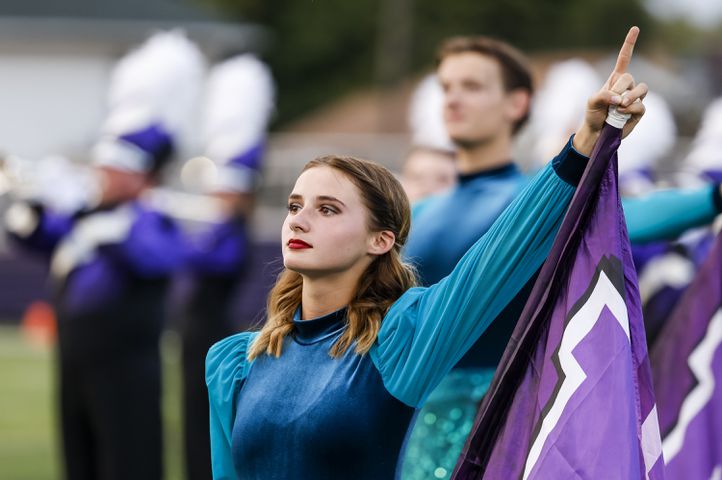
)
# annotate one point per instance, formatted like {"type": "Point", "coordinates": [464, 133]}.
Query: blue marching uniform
{"type": "Point", "coordinates": [446, 225]}
{"type": "Point", "coordinates": [441, 227]}
{"type": "Point", "coordinates": [110, 269]}
{"type": "Point", "coordinates": [307, 415]}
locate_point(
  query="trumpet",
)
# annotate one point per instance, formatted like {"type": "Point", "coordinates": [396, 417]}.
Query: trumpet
{"type": "Point", "coordinates": [68, 187]}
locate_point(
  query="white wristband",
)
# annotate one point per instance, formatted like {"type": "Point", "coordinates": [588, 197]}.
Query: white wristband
{"type": "Point", "coordinates": [615, 118]}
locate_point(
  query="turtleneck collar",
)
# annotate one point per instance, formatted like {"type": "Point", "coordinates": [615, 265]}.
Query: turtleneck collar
{"type": "Point", "coordinates": [502, 170]}
{"type": "Point", "coordinates": [317, 329]}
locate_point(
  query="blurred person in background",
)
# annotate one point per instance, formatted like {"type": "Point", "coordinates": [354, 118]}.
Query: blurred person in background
{"type": "Point", "coordinates": [705, 158]}
{"type": "Point", "coordinates": [238, 105]}
{"type": "Point", "coordinates": [487, 89]}
{"type": "Point", "coordinates": [429, 167]}
{"type": "Point", "coordinates": [427, 171]}
{"type": "Point", "coordinates": [111, 262]}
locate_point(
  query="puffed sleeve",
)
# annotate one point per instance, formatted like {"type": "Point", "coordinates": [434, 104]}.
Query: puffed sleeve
{"type": "Point", "coordinates": [428, 330]}
{"type": "Point", "coordinates": [226, 370]}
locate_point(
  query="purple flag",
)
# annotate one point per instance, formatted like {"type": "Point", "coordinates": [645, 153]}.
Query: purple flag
{"type": "Point", "coordinates": [572, 397]}
{"type": "Point", "coordinates": [687, 361]}
{"type": "Point", "coordinates": [665, 270]}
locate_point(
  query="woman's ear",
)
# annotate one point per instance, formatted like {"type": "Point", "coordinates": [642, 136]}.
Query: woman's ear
{"type": "Point", "coordinates": [381, 242]}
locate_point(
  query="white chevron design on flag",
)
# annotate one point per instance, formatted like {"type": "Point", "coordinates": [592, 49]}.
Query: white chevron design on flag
{"type": "Point", "coordinates": [603, 295]}
{"type": "Point", "coordinates": [716, 473]}
{"type": "Point", "coordinates": [651, 443]}
{"type": "Point", "coordinates": [700, 362]}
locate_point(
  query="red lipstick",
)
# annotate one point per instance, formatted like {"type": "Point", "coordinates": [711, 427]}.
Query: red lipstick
{"type": "Point", "coordinates": [297, 244]}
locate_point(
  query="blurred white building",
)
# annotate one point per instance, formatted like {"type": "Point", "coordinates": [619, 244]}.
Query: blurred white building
{"type": "Point", "coordinates": [56, 57]}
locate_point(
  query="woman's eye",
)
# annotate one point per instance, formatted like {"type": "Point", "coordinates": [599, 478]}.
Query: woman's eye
{"type": "Point", "coordinates": [327, 210]}
{"type": "Point", "coordinates": [293, 207]}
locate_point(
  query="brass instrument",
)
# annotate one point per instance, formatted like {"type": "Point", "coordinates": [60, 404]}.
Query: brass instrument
{"type": "Point", "coordinates": [68, 186]}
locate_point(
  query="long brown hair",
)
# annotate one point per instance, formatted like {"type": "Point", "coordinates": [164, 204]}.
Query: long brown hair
{"type": "Point", "coordinates": [385, 280]}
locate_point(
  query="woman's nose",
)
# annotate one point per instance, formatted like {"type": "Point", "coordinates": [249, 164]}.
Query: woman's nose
{"type": "Point", "coordinates": [298, 222]}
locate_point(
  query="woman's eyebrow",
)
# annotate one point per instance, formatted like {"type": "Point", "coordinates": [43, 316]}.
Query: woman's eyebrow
{"type": "Point", "coordinates": [322, 198]}
{"type": "Point", "coordinates": [329, 198]}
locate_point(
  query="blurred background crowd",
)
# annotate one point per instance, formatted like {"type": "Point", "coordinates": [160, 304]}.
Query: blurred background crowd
{"type": "Point", "coordinates": [252, 90]}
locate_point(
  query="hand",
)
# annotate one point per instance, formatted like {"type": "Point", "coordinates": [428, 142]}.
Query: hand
{"type": "Point", "coordinates": [619, 82]}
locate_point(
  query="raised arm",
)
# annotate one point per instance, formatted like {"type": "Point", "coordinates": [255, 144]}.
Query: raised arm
{"type": "Point", "coordinates": [429, 329]}
{"type": "Point", "coordinates": [666, 214]}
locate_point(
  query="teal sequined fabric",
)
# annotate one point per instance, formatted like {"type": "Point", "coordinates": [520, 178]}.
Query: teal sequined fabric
{"type": "Point", "coordinates": [443, 424]}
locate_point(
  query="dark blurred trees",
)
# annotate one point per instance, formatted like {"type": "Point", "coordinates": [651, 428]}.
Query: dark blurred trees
{"type": "Point", "coordinates": [323, 48]}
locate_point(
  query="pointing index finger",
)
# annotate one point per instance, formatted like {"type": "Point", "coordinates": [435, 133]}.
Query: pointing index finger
{"type": "Point", "coordinates": [625, 54]}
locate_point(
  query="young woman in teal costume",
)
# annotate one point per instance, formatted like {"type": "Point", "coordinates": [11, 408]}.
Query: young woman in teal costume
{"type": "Point", "coordinates": [350, 349]}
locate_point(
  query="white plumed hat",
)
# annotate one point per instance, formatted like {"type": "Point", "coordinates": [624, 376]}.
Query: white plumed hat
{"type": "Point", "coordinates": [152, 94]}
{"type": "Point", "coordinates": [239, 103]}
{"type": "Point", "coordinates": [426, 116]}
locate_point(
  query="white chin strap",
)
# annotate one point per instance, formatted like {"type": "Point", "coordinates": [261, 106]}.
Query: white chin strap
{"type": "Point", "coordinates": [121, 155]}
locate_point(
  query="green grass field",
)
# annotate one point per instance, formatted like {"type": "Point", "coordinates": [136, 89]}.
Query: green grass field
{"type": "Point", "coordinates": [29, 449]}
